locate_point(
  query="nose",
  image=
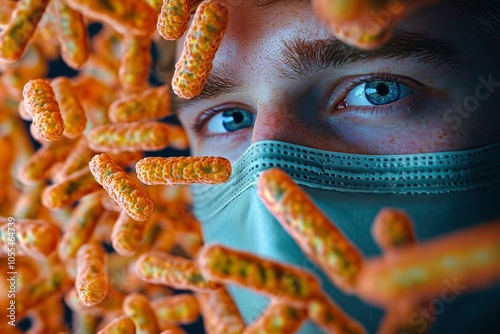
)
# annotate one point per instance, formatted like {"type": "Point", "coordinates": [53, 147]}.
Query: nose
{"type": "Point", "coordinates": [279, 123]}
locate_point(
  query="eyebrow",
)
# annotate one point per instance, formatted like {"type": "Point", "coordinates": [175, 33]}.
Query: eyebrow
{"type": "Point", "coordinates": [304, 57]}
{"type": "Point", "coordinates": [220, 81]}
{"type": "Point", "coordinates": [301, 58]}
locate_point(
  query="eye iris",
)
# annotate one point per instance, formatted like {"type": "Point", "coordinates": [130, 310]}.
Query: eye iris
{"type": "Point", "coordinates": [382, 92]}
{"type": "Point", "coordinates": [236, 119]}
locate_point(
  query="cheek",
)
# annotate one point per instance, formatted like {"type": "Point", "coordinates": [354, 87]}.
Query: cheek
{"type": "Point", "coordinates": [419, 137]}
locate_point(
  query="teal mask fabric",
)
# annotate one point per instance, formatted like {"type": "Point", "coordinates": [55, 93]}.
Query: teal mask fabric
{"type": "Point", "coordinates": [442, 192]}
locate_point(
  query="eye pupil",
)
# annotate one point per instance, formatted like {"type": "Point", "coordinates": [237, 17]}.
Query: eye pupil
{"type": "Point", "coordinates": [237, 117]}
{"type": "Point", "coordinates": [382, 89]}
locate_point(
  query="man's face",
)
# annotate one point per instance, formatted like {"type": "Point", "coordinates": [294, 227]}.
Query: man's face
{"type": "Point", "coordinates": [280, 74]}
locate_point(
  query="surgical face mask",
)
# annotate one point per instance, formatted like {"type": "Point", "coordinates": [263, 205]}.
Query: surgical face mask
{"type": "Point", "coordinates": [441, 192]}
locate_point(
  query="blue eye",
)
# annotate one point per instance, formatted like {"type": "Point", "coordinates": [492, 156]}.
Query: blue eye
{"type": "Point", "coordinates": [230, 120]}
{"type": "Point", "coordinates": [378, 92]}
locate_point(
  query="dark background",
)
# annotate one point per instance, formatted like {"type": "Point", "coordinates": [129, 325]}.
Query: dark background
{"type": "Point", "coordinates": [59, 68]}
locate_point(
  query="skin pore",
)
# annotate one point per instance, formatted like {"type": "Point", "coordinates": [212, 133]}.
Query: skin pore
{"type": "Point", "coordinates": [281, 75]}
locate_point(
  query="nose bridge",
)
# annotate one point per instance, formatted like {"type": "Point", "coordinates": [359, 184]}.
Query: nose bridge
{"type": "Point", "coordinates": [274, 122]}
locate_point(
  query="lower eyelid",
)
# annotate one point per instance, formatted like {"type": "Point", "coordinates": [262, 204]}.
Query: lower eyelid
{"type": "Point", "coordinates": [405, 107]}
{"type": "Point", "coordinates": [225, 136]}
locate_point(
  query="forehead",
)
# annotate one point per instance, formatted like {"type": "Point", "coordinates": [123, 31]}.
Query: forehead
{"type": "Point", "coordinates": [256, 34]}
{"type": "Point", "coordinates": [262, 29]}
